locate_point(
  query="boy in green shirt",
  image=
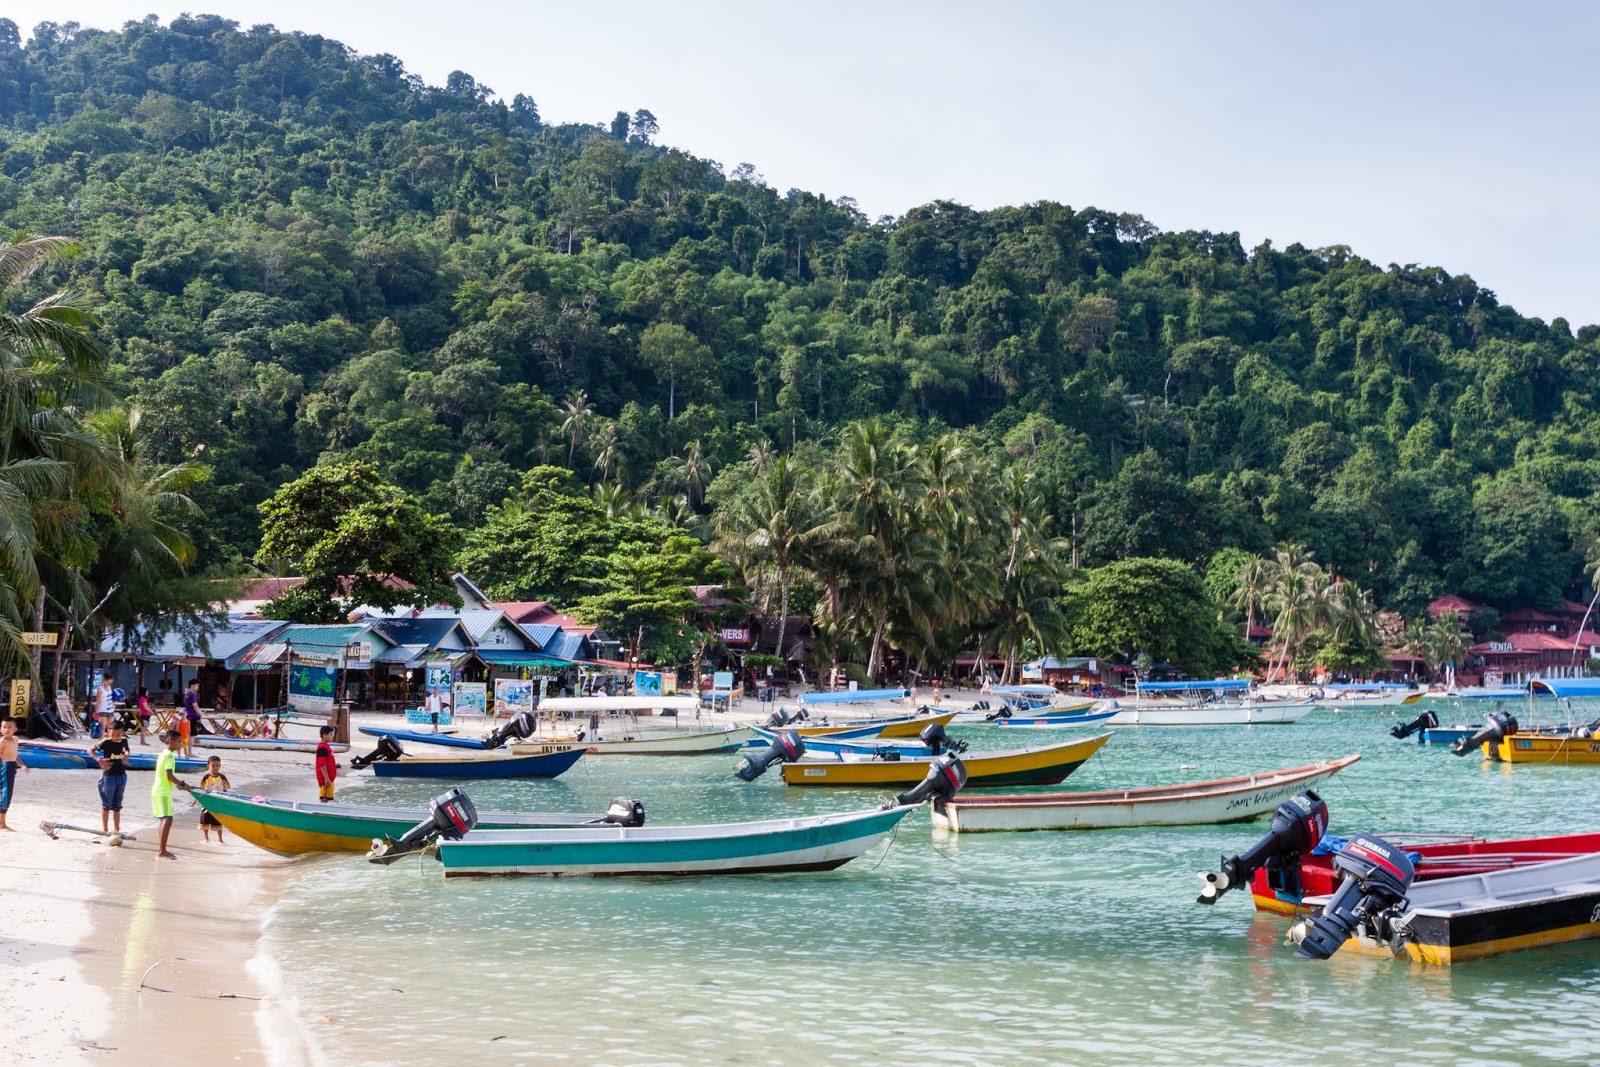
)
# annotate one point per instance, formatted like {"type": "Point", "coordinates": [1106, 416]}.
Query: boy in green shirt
{"type": "Point", "coordinates": [161, 791]}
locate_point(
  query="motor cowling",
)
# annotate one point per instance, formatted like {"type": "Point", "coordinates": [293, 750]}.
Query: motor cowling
{"type": "Point", "coordinates": [938, 741]}
{"type": "Point", "coordinates": [387, 749]}
{"type": "Point", "coordinates": [1377, 876]}
{"type": "Point", "coordinates": [946, 775]}
{"type": "Point", "coordinates": [1297, 826]}
{"type": "Point", "coordinates": [521, 725]}
{"type": "Point", "coordinates": [1501, 724]}
{"type": "Point", "coordinates": [624, 811]}
{"type": "Point", "coordinates": [1426, 721]}
{"type": "Point", "coordinates": [780, 718]}
{"type": "Point", "coordinates": [450, 816]}
{"type": "Point", "coordinates": [786, 747]}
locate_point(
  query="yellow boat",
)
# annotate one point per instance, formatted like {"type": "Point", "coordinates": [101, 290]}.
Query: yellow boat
{"type": "Point", "coordinates": [1544, 748]}
{"type": "Point", "coordinates": [907, 726]}
{"type": "Point", "coordinates": [985, 770]}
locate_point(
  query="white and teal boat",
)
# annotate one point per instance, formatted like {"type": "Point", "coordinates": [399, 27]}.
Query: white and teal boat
{"type": "Point", "coordinates": [807, 843]}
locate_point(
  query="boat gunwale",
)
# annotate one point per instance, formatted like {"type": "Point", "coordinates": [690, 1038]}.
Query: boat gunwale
{"type": "Point", "coordinates": [1219, 787]}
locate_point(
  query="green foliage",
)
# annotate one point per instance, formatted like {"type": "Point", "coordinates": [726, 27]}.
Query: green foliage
{"type": "Point", "coordinates": [350, 535]}
{"type": "Point", "coordinates": [1156, 607]}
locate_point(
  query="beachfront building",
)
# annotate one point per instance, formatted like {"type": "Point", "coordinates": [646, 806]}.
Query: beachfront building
{"type": "Point", "coordinates": [165, 659]}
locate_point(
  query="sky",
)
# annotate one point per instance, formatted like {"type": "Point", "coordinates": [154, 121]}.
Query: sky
{"type": "Point", "coordinates": [1460, 135]}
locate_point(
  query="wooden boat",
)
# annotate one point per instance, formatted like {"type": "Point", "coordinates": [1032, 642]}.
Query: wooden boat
{"type": "Point", "coordinates": [1054, 720]}
{"type": "Point", "coordinates": [1221, 800]}
{"type": "Point", "coordinates": [549, 764]}
{"type": "Point", "coordinates": [833, 745]}
{"type": "Point", "coordinates": [43, 756]}
{"type": "Point", "coordinates": [852, 696]}
{"type": "Point", "coordinates": [1220, 702]}
{"type": "Point", "coordinates": [669, 743]}
{"type": "Point", "coordinates": [1353, 697]}
{"type": "Point", "coordinates": [1527, 747]}
{"type": "Point", "coordinates": [985, 770]}
{"type": "Point", "coordinates": [1312, 876]}
{"type": "Point", "coordinates": [264, 744]}
{"type": "Point", "coordinates": [1473, 916]}
{"type": "Point", "coordinates": [582, 707]}
{"type": "Point", "coordinates": [290, 828]}
{"type": "Point", "coordinates": [906, 726]}
{"type": "Point", "coordinates": [425, 737]}
{"type": "Point", "coordinates": [808, 843]}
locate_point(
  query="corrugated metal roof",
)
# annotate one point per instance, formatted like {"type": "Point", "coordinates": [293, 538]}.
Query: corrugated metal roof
{"type": "Point", "coordinates": [565, 646]}
{"type": "Point", "coordinates": [226, 642]}
{"type": "Point", "coordinates": [506, 657]}
{"type": "Point", "coordinates": [427, 631]}
{"type": "Point", "coordinates": [542, 633]}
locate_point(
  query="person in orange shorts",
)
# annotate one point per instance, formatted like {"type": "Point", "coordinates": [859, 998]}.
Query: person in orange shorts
{"type": "Point", "coordinates": [189, 720]}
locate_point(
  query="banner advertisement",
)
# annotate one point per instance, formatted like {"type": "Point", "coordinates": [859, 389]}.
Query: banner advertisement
{"type": "Point", "coordinates": [438, 676]}
{"type": "Point", "coordinates": [669, 683]}
{"type": "Point", "coordinates": [513, 695]}
{"type": "Point", "coordinates": [647, 683]}
{"type": "Point", "coordinates": [472, 698]}
{"type": "Point", "coordinates": [312, 688]}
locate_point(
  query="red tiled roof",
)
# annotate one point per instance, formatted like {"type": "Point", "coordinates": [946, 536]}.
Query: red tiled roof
{"type": "Point", "coordinates": [524, 610]}
{"type": "Point", "coordinates": [1572, 607]}
{"type": "Point", "coordinates": [1529, 615]}
{"type": "Point", "coordinates": [1459, 605]}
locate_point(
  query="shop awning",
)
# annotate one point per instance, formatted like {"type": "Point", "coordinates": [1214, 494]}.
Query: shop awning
{"type": "Point", "coordinates": [266, 656]}
{"type": "Point", "coordinates": [510, 657]}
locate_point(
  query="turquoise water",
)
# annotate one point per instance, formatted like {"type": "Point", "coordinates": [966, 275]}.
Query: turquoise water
{"type": "Point", "coordinates": [1042, 948]}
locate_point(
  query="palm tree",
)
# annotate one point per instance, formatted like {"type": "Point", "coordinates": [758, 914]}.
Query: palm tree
{"type": "Point", "coordinates": [608, 451]}
{"type": "Point", "coordinates": [1447, 641]}
{"type": "Point", "coordinates": [1250, 590]}
{"type": "Point", "coordinates": [612, 498]}
{"type": "Point", "coordinates": [875, 480]}
{"type": "Point", "coordinates": [1591, 570]}
{"type": "Point", "coordinates": [694, 472]}
{"type": "Point", "coordinates": [579, 411]}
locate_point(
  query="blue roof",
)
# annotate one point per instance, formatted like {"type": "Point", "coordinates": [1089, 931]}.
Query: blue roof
{"type": "Point", "coordinates": [227, 641]}
{"type": "Point", "coordinates": [1178, 687]}
{"type": "Point", "coordinates": [424, 631]}
{"type": "Point", "coordinates": [512, 657]}
{"type": "Point", "coordinates": [542, 633]}
{"type": "Point", "coordinates": [565, 646]}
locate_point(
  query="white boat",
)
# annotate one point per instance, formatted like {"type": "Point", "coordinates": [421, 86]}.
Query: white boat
{"type": "Point", "coordinates": [264, 744]}
{"type": "Point", "coordinates": [1221, 800]}
{"type": "Point", "coordinates": [1369, 695]}
{"type": "Point", "coordinates": [660, 743]}
{"type": "Point", "coordinates": [613, 705]}
{"type": "Point", "coordinates": [1219, 702]}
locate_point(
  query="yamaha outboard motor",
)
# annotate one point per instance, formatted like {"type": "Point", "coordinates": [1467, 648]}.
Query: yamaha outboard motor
{"type": "Point", "coordinates": [1426, 721]}
{"type": "Point", "coordinates": [1500, 724]}
{"type": "Point", "coordinates": [521, 726]}
{"type": "Point", "coordinates": [1297, 826]}
{"type": "Point", "coordinates": [786, 747]}
{"type": "Point", "coordinates": [450, 816]}
{"type": "Point", "coordinates": [780, 718]}
{"type": "Point", "coordinates": [1376, 878]}
{"type": "Point", "coordinates": [388, 749]}
{"type": "Point", "coordinates": [938, 741]}
{"type": "Point", "coordinates": [624, 811]}
{"type": "Point", "coordinates": [946, 775]}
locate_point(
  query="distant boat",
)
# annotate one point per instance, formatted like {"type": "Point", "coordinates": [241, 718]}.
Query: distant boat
{"type": "Point", "coordinates": [660, 743]}
{"type": "Point", "coordinates": [292, 828]}
{"type": "Point", "coordinates": [807, 843]}
{"type": "Point", "coordinates": [902, 726]}
{"type": "Point", "coordinates": [852, 696]}
{"type": "Point", "coordinates": [1357, 695]}
{"type": "Point", "coordinates": [1055, 720]}
{"type": "Point", "coordinates": [264, 744]}
{"type": "Point", "coordinates": [834, 745]}
{"type": "Point", "coordinates": [1221, 800]}
{"type": "Point", "coordinates": [425, 737]}
{"type": "Point", "coordinates": [541, 765]}
{"type": "Point", "coordinates": [985, 770]}
{"type": "Point", "coordinates": [1218, 702]}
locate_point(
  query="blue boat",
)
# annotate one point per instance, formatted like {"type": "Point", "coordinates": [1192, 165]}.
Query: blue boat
{"type": "Point", "coordinates": [423, 737]}
{"type": "Point", "coordinates": [833, 744]}
{"type": "Point", "coordinates": [854, 696]}
{"type": "Point", "coordinates": [1056, 720]}
{"type": "Point", "coordinates": [41, 756]}
{"type": "Point", "coordinates": [540, 765]}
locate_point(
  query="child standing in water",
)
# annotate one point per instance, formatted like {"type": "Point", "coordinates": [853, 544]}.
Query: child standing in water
{"type": "Point", "coordinates": [10, 763]}
{"type": "Point", "coordinates": [327, 766]}
{"type": "Point", "coordinates": [214, 780]}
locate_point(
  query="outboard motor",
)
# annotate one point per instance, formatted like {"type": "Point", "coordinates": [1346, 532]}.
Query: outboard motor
{"type": "Point", "coordinates": [1003, 713]}
{"type": "Point", "coordinates": [938, 741]}
{"type": "Point", "coordinates": [388, 749]}
{"type": "Point", "coordinates": [1376, 878]}
{"type": "Point", "coordinates": [1426, 721]}
{"type": "Point", "coordinates": [450, 816]}
{"type": "Point", "coordinates": [946, 775]}
{"type": "Point", "coordinates": [521, 726]}
{"type": "Point", "coordinates": [1500, 724]}
{"type": "Point", "coordinates": [786, 747]}
{"type": "Point", "coordinates": [1297, 826]}
{"type": "Point", "coordinates": [624, 811]}
{"type": "Point", "coordinates": [780, 718]}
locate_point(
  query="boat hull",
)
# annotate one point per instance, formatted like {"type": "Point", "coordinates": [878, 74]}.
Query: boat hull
{"type": "Point", "coordinates": [1544, 748]}
{"type": "Point", "coordinates": [910, 726]}
{"type": "Point", "coordinates": [424, 737]}
{"type": "Point", "coordinates": [1268, 714]}
{"type": "Point", "coordinates": [264, 744]}
{"type": "Point", "coordinates": [1054, 721]}
{"type": "Point", "coordinates": [69, 758]}
{"type": "Point", "coordinates": [1040, 766]}
{"type": "Point", "coordinates": [294, 829]}
{"type": "Point", "coordinates": [1222, 800]}
{"type": "Point", "coordinates": [541, 765]}
{"type": "Point", "coordinates": [815, 843]}
{"type": "Point", "coordinates": [688, 743]}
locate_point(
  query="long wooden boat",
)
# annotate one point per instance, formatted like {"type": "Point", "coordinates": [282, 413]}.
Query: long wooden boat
{"type": "Point", "coordinates": [584, 706]}
{"type": "Point", "coordinates": [867, 747]}
{"type": "Point", "coordinates": [38, 755]}
{"type": "Point", "coordinates": [985, 770]}
{"type": "Point", "coordinates": [808, 843]}
{"type": "Point", "coordinates": [1546, 748]}
{"type": "Point", "coordinates": [425, 737]}
{"type": "Point", "coordinates": [264, 744]}
{"type": "Point", "coordinates": [1312, 876]}
{"type": "Point", "coordinates": [291, 828]}
{"type": "Point", "coordinates": [1221, 800]}
{"type": "Point", "coordinates": [1474, 916]}
{"type": "Point", "coordinates": [1054, 720]}
{"type": "Point", "coordinates": [1273, 713]}
{"type": "Point", "coordinates": [1354, 697]}
{"type": "Point", "coordinates": [666, 743]}
{"type": "Point", "coordinates": [539, 765]}
{"type": "Point", "coordinates": [905, 726]}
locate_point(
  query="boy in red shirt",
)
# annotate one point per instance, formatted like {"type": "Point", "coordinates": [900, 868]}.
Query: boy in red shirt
{"type": "Point", "coordinates": [327, 766]}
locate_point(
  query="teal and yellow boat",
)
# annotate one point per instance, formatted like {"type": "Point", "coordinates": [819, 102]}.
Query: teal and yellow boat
{"type": "Point", "coordinates": [291, 828]}
{"type": "Point", "coordinates": [985, 770]}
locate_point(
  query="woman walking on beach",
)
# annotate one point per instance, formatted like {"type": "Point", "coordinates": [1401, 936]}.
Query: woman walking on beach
{"type": "Point", "coordinates": [105, 704]}
{"type": "Point", "coordinates": [10, 762]}
{"type": "Point", "coordinates": [143, 707]}
{"type": "Point", "coordinates": [161, 791]}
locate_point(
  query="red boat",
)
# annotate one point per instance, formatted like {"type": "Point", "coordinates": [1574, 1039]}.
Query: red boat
{"type": "Point", "coordinates": [1437, 858]}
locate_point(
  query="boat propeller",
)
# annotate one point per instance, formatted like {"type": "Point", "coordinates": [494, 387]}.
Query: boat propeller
{"type": "Point", "coordinates": [938, 741]}
{"type": "Point", "coordinates": [1426, 721]}
{"type": "Point", "coordinates": [1297, 826]}
{"type": "Point", "coordinates": [387, 749]}
{"type": "Point", "coordinates": [786, 747]}
{"type": "Point", "coordinates": [520, 727]}
{"type": "Point", "coordinates": [1376, 878]}
{"type": "Point", "coordinates": [1501, 724]}
{"type": "Point", "coordinates": [946, 775]}
{"type": "Point", "coordinates": [450, 816]}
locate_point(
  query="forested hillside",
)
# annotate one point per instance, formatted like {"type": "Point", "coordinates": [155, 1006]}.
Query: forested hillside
{"type": "Point", "coordinates": [299, 252]}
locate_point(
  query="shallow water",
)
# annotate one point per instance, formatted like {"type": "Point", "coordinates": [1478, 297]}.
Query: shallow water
{"type": "Point", "coordinates": [1040, 948]}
